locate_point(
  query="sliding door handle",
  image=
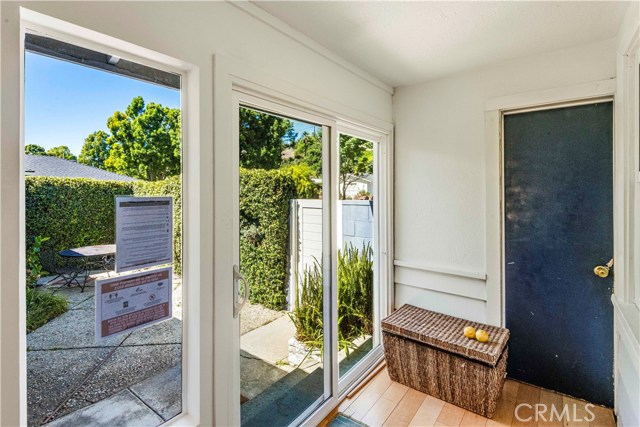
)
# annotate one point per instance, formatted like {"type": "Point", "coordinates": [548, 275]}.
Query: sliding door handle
{"type": "Point", "coordinates": [237, 303]}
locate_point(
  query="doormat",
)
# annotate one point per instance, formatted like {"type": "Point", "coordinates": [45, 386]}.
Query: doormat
{"type": "Point", "coordinates": [342, 420]}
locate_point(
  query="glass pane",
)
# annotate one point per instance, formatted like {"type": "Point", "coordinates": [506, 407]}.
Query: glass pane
{"type": "Point", "coordinates": [281, 248]}
{"type": "Point", "coordinates": [115, 136]}
{"type": "Point", "coordinates": [356, 249]}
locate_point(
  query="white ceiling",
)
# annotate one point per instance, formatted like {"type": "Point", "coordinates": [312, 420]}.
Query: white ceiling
{"type": "Point", "coordinates": [402, 43]}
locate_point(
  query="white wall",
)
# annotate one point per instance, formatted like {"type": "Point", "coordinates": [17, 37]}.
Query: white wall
{"type": "Point", "coordinates": [441, 197]}
{"type": "Point", "coordinates": [626, 299]}
{"type": "Point", "coordinates": [192, 32]}
{"type": "Point", "coordinates": [440, 211]}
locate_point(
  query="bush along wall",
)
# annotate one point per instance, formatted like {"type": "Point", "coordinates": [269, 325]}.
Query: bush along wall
{"type": "Point", "coordinates": [75, 212]}
{"type": "Point", "coordinates": [264, 234]}
{"type": "Point", "coordinates": [72, 212]}
{"type": "Point", "coordinates": [171, 186]}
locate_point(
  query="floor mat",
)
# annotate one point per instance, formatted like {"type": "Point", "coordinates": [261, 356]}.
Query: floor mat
{"type": "Point", "coordinates": [342, 420]}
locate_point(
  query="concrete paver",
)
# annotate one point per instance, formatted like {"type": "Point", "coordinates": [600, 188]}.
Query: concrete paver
{"type": "Point", "coordinates": [162, 392]}
{"type": "Point", "coordinates": [131, 412]}
{"type": "Point", "coordinates": [126, 367]}
{"type": "Point", "coordinates": [257, 375]}
{"type": "Point", "coordinates": [270, 342]}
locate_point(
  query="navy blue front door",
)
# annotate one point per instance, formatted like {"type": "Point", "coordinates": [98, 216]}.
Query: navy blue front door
{"type": "Point", "coordinates": [558, 177]}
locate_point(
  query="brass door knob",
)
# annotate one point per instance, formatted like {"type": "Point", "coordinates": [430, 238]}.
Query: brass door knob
{"type": "Point", "coordinates": [603, 270]}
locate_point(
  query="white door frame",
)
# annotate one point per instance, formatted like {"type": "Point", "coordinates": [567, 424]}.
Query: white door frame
{"type": "Point", "coordinates": [230, 76]}
{"type": "Point", "coordinates": [196, 389]}
{"type": "Point", "coordinates": [495, 108]}
{"type": "Point", "coordinates": [247, 98]}
{"type": "Point", "coordinates": [382, 299]}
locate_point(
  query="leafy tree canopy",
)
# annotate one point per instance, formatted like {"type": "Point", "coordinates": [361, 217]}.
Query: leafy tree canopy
{"type": "Point", "coordinates": [95, 150]}
{"type": "Point", "coordinates": [356, 160]}
{"type": "Point", "coordinates": [34, 149]}
{"type": "Point", "coordinates": [144, 142]}
{"type": "Point", "coordinates": [61, 151]}
{"type": "Point", "coordinates": [356, 157]}
{"type": "Point", "coordinates": [261, 139]}
{"type": "Point", "coordinates": [308, 150]}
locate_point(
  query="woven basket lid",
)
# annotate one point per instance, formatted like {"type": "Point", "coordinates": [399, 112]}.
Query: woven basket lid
{"type": "Point", "coordinates": [446, 333]}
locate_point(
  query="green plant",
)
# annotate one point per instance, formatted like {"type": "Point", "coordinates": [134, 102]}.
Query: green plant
{"type": "Point", "coordinates": [77, 212]}
{"type": "Point", "coordinates": [43, 306]}
{"type": "Point", "coordinates": [355, 291]}
{"type": "Point", "coordinates": [264, 234]}
{"type": "Point", "coordinates": [282, 362]}
{"type": "Point", "coordinates": [355, 300]}
{"type": "Point", "coordinates": [72, 212]}
{"type": "Point", "coordinates": [302, 176]}
{"type": "Point", "coordinates": [34, 266]}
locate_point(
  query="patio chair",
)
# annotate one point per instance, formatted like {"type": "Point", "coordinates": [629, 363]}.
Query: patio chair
{"type": "Point", "coordinates": [68, 272]}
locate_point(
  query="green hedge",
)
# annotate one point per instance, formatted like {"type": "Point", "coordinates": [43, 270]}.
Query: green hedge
{"type": "Point", "coordinates": [264, 234]}
{"type": "Point", "coordinates": [171, 186]}
{"type": "Point", "coordinates": [75, 212]}
{"type": "Point", "coordinates": [72, 212]}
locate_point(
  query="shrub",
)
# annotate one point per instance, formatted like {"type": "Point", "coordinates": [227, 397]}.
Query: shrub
{"type": "Point", "coordinates": [73, 212]}
{"type": "Point", "coordinates": [43, 306]}
{"type": "Point", "coordinates": [307, 311]}
{"type": "Point", "coordinates": [302, 175]}
{"type": "Point", "coordinates": [77, 212]}
{"type": "Point", "coordinates": [355, 291]}
{"type": "Point", "coordinates": [33, 262]}
{"type": "Point", "coordinates": [171, 186]}
{"type": "Point", "coordinates": [264, 234]}
{"type": "Point", "coordinates": [355, 300]}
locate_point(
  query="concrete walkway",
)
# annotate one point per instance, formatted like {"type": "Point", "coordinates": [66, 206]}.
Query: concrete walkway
{"type": "Point", "coordinates": [71, 379]}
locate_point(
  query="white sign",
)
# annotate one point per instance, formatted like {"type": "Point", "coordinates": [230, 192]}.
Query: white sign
{"type": "Point", "coordinates": [144, 232]}
{"type": "Point", "coordinates": [134, 301]}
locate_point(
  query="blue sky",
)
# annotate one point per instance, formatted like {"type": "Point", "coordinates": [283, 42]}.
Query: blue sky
{"type": "Point", "coordinates": [65, 102]}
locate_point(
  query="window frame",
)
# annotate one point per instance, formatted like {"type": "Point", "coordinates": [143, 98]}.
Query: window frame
{"type": "Point", "coordinates": [194, 336]}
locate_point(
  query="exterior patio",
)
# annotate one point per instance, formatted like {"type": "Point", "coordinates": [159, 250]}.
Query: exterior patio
{"type": "Point", "coordinates": [70, 377]}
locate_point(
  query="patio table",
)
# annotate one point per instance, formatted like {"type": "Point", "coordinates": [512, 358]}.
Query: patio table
{"type": "Point", "coordinates": [87, 253]}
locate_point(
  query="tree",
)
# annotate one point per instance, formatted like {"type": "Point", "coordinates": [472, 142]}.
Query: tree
{"type": "Point", "coordinates": [308, 150]}
{"type": "Point", "coordinates": [61, 151]}
{"type": "Point", "coordinates": [291, 136]}
{"type": "Point", "coordinates": [34, 149]}
{"type": "Point", "coordinates": [95, 150]}
{"type": "Point", "coordinates": [261, 139]}
{"type": "Point", "coordinates": [145, 142]}
{"type": "Point", "coordinates": [356, 160]}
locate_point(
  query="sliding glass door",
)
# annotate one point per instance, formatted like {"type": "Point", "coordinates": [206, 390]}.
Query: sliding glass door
{"type": "Point", "coordinates": [306, 277]}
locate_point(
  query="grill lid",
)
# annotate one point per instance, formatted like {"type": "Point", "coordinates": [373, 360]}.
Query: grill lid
{"type": "Point", "coordinates": [446, 333]}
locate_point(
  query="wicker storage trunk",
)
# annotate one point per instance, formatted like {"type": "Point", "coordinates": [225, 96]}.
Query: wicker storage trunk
{"type": "Point", "coordinates": [427, 351]}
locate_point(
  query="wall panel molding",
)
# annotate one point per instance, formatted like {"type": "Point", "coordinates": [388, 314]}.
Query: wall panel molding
{"type": "Point", "coordinates": [441, 282]}
{"type": "Point", "coordinates": [440, 270]}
